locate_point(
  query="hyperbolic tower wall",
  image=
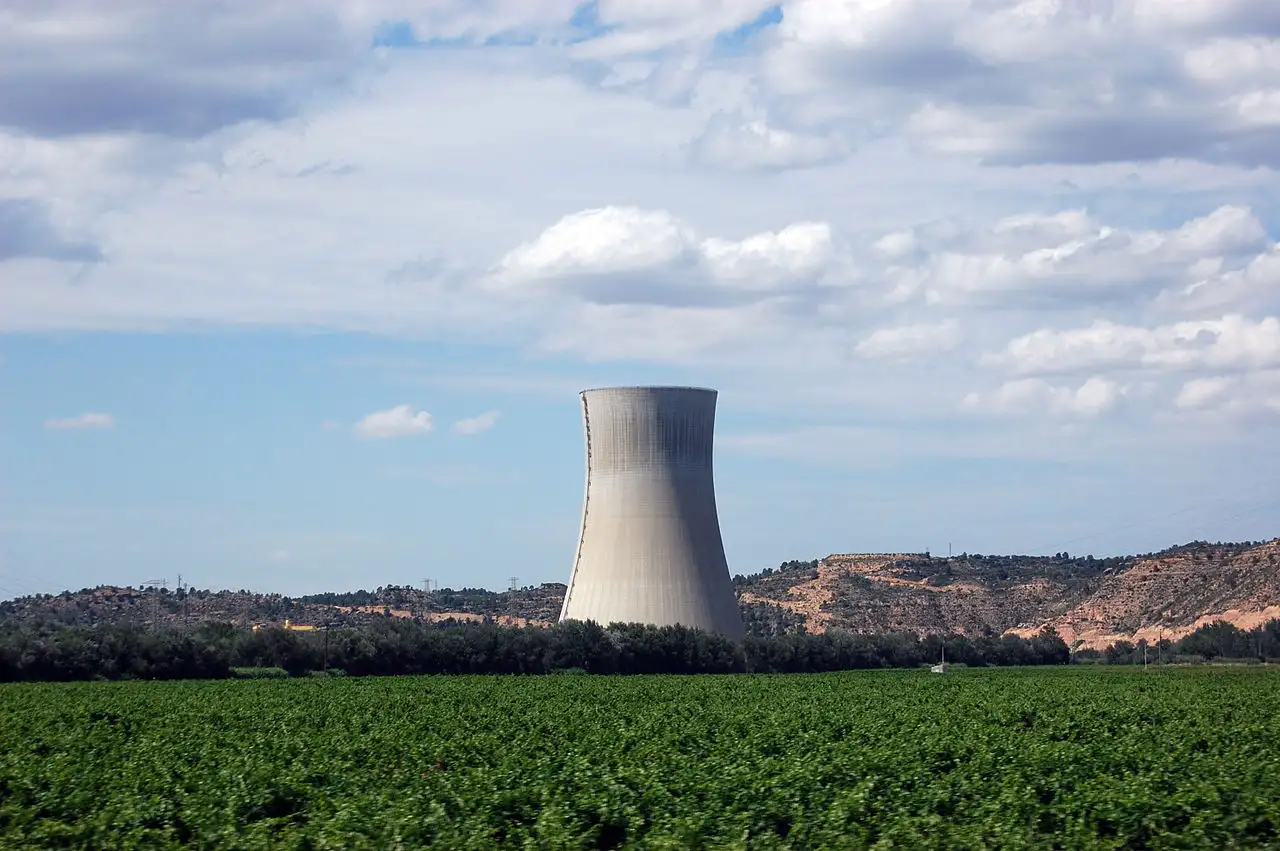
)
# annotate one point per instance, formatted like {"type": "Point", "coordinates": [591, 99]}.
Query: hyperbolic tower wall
{"type": "Point", "coordinates": [650, 550]}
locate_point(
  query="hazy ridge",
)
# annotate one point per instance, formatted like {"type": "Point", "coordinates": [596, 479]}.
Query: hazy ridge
{"type": "Point", "coordinates": [1090, 602]}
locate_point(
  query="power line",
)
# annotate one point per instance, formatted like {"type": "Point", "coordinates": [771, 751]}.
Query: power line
{"type": "Point", "coordinates": [154, 585]}
{"type": "Point", "coordinates": [22, 587]}
{"type": "Point", "coordinates": [1132, 525]}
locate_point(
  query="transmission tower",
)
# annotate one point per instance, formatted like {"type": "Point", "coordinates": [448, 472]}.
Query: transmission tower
{"type": "Point", "coordinates": [426, 601]}
{"type": "Point", "coordinates": [156, 586]}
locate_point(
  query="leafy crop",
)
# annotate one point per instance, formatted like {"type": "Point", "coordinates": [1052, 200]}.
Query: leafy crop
{"type": "Point", "coordinates": [1010, 758]}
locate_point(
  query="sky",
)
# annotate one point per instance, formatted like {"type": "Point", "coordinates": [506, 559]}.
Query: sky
{"type": "Point", "coordinates": [299, 296]}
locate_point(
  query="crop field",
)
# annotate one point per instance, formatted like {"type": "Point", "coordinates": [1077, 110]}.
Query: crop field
{"type": "Point", "coordinates": [1001, 758]}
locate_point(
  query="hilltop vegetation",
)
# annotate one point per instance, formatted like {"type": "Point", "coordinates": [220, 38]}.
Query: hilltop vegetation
{"type": "Point", "coordinates": [1090, 602]}
{"type": "Point", "coordinates": [193, 606]}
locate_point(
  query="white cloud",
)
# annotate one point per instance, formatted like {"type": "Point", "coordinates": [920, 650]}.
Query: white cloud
{"type": "Point", "coordinates": [1232, 342]}
{"type": "Point", "coordinates": [1069, 256]}
{"type": "Point", "coordinates": [1257, 284]}
{"type": "Point", "coordinates": [659, 188]}
{"type": "Point", "coordinates": [400, 421]}
{"type": "Point", "coordinates": [896, 245]}
{"type": "Point", "coordinates": [26, 230]}
{"type": "Point", "coordinates": [85, 420]}
{"type": "Point", "coordinates": [476, 424]}
{"type": "Point", "coordinates": [1233, 61]}
{"type": "Point", "coordinates": [1096, 396]}
{"type": "Point", "coordinates": [987, 79]}
{"type": "Point", "coordinates": [74, 67]}
{"type": "Point", "coordinates": [1200, 392]}
{"type": "Point", "coordinates": [604, 240]}
{"type": "Point", "coordinates": [736, 142]}
{"type": "Point", "coordinates": [1250, 395]}
{"type": "Point", "coordinates": [804, 214]}
{"type": "Point", "coordinates": [912, 341]}
{"type": "Point", "coordinates": [798, 251]}
{"type": "Point", "coordinates": [626, 255]}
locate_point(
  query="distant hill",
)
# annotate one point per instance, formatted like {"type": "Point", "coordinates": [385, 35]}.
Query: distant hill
{"type": "Point", "coordinates": [112, 604]}
{"type": "Point", "coordinates": [1090, 602]}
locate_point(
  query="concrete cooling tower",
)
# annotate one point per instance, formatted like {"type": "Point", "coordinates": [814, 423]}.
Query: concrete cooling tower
{"type": "Point", "coordinates": [650, 550]}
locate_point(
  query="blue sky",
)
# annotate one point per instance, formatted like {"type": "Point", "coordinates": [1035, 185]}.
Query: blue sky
{"type": "Point", "coordinates": [301, 300]}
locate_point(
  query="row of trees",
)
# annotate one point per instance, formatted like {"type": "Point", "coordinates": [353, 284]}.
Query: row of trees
{"type": "Point", "coordinates": [398, 646]}
{"type": "Point", "coordinates": [1213, 641]}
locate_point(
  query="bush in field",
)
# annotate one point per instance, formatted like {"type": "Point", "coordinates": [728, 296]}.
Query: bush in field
{"type": "Point", "coordinates": [259, 673]}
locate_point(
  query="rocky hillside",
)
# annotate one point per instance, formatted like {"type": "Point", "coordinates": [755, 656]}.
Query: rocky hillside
{"type": "Point", "coordinates": [1092, 603]}
{"type": "Point", "coordinates": [1171, 594]}
{"type": "Point", "coordinates": [531, 605]}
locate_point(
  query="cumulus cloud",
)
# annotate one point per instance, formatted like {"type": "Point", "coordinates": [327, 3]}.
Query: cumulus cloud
{"type": "Point", "coordinates": [775, 209]}
{"type": "Point", "coordinates": [1070, 256]}
{"type": "Point", "coordinates": [978, 78]}
{"type": "Point", "coordinates": [986, 79]}
{"type": "Point", "coordinates": [476, 424]}
{"type": "Point", "coordinates": [1232, 342]}
{"type": "Point", "coordinates": [897, 245]}
{"type": "Point", "coordinates": [639, 28]}
{"type": "Point", "coordinates": [601, 241]}
{"type": "Point", "coordinates": [1245, 395]}
{"type": "Point", "coordinates": [1201, 392]}
{"type": "Point", "coordinates": [81, 421]}
{"type": "Point", "coordinates": [911, 341]}
{"type": "Point", "coordinates": [808, 207]}
{"type": "Point", "coordinates": [736, 142]}
{"type": "Point", "coordinates": [1255, 285]}
{"type": "Point", "coordinates": [27, 231]}
{"type": "Point", "coordinates": [399, 421]}
{"type": "Point", "coordinates": [1096, 396]}
{"type": "Point", "coordinates": [627, 255]}
{"type": "Point", "coordinates": [72, 67]}
{"type": "Point", "coordinates": [800, 251]}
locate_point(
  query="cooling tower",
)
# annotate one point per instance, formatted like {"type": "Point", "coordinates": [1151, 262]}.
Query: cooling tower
{"type": "Point", "coordinates": [649, 550]}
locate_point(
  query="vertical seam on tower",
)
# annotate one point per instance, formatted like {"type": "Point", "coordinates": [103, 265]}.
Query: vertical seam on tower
{"type": "Point", "coordinates": [586, 503]}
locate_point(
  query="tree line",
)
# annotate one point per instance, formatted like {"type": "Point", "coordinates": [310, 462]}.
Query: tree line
{"type": "Point", "coordinates": [402, 646]}
{"type": "Point", "coordinates": [1214, 641]}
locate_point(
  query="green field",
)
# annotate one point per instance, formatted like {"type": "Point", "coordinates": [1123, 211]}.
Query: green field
{"type": "Point", "coordinates": [1009, 758]}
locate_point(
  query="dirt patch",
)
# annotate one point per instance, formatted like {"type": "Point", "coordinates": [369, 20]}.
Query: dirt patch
{"type": "Point", "coordinates": [436, 617]}
{"type": "Point", "coordinates": [376, 610]}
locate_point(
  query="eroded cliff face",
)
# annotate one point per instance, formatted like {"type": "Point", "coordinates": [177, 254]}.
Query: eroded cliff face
{"type": "Point", "coordinates": [1170, 596]}
{"type": "Point", "coordinates": [1091, 604]}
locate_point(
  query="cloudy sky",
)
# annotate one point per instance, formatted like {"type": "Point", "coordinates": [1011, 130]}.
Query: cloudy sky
{"type": "Point", "coordinates": [298, 296]}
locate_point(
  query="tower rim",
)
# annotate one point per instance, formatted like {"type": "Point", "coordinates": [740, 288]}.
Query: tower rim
{"type": "Point", "coordinates": [650, 387]}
